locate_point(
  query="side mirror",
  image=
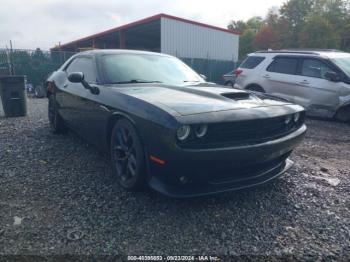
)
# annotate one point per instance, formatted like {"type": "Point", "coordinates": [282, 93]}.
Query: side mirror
{"type": "Point", "coordinates": [76, 77]}
{"type": "Point", "coordinates": [332, 76]}
{"type": "Point", "coordinates": [203, 76]}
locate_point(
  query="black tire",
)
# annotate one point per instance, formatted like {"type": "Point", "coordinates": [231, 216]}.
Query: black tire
{"type": "Point", "coordinates": [127, 155]}
{"type": "Point", "coordinates": [57, 124]}
{"type": "Point", "coordinates": [255, 88]}
{"type": "Point", "coordinates": [343, 114]}
{"type": "Point", "coordinates": [229, 83]}
{"type": "Point", "coordinates": [39, 92]}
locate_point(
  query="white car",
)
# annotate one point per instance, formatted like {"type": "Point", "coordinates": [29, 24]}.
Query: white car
{"type": "Point", "coordinates": [318, 80]}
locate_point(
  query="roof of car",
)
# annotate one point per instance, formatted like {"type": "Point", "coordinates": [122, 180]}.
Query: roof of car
{"type": "Point", "coordinates": [330, 53]}
{"type": "Point", "coordinates": [118, 51]}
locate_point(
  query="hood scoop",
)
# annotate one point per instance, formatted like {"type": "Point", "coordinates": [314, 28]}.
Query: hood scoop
{"type": "Point", "coordinates": [236, 95]}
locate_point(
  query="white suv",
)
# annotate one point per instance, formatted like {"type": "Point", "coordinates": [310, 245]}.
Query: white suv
{"type": "Point", "coordinates": [318, 80]}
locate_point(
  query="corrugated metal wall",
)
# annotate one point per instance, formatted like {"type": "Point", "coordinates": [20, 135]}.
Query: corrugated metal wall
{"type": "Point", "coordinates": [193, 41]}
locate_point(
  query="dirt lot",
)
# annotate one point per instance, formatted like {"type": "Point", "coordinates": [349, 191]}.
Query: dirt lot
{"type": "Point", "coordinates": [57, 196]}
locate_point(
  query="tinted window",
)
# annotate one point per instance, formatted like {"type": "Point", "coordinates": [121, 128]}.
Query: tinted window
{"type": "Point", "coordinates": [251, 62]}
{"type": "Point", "coordinates": [314, 68]}
{"type": "Point", "coordinates": [84, 65]}
{"type": "Point", "coordinates": [284, 65]}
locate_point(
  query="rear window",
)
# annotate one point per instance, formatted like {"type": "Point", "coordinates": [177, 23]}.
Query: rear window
{"type": "Point", "coordinates": [251, 62]}
{"type": "Point", "coordinates": [284, 65]}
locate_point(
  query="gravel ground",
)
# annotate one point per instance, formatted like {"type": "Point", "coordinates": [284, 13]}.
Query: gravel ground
{"type": "Point", "coordinates": [57, 196]}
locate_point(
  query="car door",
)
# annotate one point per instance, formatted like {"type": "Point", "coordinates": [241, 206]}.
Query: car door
{"type": "Point", "coordinates": [88, 113]}
{"type": "Point", "coordinates": [73, 99]}
{"type": "Point", "coordinates": [280, 76]}
{"type": "Point", "coordinates": [68, 94]}
{"type": "Point", "coordinates": [319, 95]}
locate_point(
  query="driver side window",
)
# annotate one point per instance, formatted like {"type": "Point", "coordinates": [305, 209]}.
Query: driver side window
{"type": "Point", "coordinates": [84, 65]}
{"type": "Point", "coordinates": [314, 68]}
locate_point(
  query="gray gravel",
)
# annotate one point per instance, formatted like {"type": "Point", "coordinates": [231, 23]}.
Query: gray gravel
{"type": "Point", "coordinates": [57, 196]}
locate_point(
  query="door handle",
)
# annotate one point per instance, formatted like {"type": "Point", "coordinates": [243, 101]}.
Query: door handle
{"type": "Point", "coordinates": [266, 76]}
{"type": "Point", "coordinates": [304, 82]}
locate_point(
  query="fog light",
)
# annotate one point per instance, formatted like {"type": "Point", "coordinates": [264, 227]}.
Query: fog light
{"type": "Point", "coordinates": [201, 130]}
{"type": "Point", "coordinates": [296, 117]}
{"type": "Point", "coordinates": [288, 119]}
{"type": "Point", "coordinates": [183, 132]}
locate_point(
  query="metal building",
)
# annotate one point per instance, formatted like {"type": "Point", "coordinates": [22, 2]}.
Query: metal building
{"type": "Point", "coordinates": [208, 49]}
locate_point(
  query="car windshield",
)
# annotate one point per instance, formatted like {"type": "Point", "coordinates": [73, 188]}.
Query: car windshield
{"type": "Point", "coordinates": [147, 68]}
{"type": "Point", "coordinates": [343, 63]}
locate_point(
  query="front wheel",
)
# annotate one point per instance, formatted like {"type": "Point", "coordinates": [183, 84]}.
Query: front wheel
{"type": "Point", "coordinates": [127, 156]}
{"type": "Point", "coordinates": [57, 124]}
{"type": "Point", "coordinates": [343, 114]}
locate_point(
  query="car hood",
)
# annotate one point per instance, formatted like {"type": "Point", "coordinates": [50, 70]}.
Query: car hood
{"type": "Point", "coordinates": [196, 99]}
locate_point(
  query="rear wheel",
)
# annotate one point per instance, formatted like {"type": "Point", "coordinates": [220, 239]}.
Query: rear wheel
{"type": "Point", "coordinates": [127, 156]}
{"type": "Point", "coordinates": [255, 88]}
{"type": "Point", "coordinates": [57, 124]}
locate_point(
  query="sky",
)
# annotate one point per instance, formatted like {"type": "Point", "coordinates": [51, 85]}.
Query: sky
{"type": "Point", "coordinates": [45, 23]}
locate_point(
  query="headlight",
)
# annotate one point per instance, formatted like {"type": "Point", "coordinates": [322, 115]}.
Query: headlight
{"type": "Point", "coordinates": [288, 119]}
{"type": "Point", "coordinates": [296, 117]}
{"type": "Point", "coordinates": [183, 132]}
{"type": "Point", "coordinates": [201, 130]}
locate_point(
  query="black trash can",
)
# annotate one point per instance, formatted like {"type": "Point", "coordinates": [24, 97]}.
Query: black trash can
{"type": "Point", "coordinates": [12, 92]}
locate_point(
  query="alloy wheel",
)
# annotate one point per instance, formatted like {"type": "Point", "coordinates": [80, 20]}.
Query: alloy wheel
{"type": "Point", "coordinates": [125, 156]}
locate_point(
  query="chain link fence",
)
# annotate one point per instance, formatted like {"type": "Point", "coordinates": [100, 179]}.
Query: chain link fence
{"type": "Point", "coordinates": [212, 69]}
{"type": "Point", "coordinates": [37, 64]}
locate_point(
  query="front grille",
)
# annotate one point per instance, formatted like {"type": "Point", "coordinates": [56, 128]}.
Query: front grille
{"type": "Point", "coordinates": [243, 132]}
{"type": "Point", "coordinates": [237, 173]}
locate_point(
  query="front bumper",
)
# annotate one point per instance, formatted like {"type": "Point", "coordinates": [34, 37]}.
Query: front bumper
{"type": "Point", "coordinates": [208, 189]}
{"type": "Point", "coordinates": [195, 172]}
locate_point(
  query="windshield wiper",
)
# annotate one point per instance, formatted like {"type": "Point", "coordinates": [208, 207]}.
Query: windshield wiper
{"type": "Point", "coordinates": [137, 81]}
{"type": "Point", "coordinates": [185, 81]}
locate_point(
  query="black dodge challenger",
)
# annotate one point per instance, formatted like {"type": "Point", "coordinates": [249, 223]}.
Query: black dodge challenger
{"type": "Point", "coordinates": [164, 126]}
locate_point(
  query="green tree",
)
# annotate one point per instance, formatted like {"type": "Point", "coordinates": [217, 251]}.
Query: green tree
{"type": "Point", "coordinates": [345, 36]}
{"type": "Point", "coordinates": [239, 26]}
{"type": "Point", "coordinates": [272, 18]}
{"type": "Point", "coordinates": [41, 66]}
{"type": "Point", "coordinates": [21, 62]}
{"type": "Point", "coordinates": [298, 24]}
{"type": "Point", "coordinates": [248, 31]}
{"type": "Point", "coordinates": [314, 32]}
{"type": "Point", "coordinates": [36, 65]}
{"type": "Point", "coordinates": [265, 38]}
{"type": "Point", "coordinates": [255, 23]}
{"type": "Point", "coordinates": [294, 13]}
{"type": "Point", "coordinates": [246, 43]}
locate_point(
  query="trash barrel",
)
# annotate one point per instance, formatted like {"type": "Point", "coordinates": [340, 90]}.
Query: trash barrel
{"type": "Point", "coordinates": [12, 92]}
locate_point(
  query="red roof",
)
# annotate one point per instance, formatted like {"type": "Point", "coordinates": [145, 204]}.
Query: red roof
{"type": "Point", "coordinates": [149, 19]}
